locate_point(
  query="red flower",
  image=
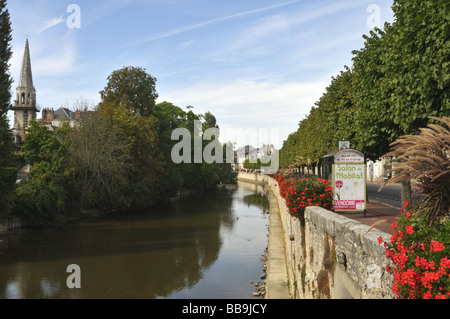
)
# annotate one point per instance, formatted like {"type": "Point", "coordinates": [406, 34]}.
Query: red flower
{"type": "Point", "coordinates": [409, 229]}
{"type": "Point", "coordinates": [436, 246]}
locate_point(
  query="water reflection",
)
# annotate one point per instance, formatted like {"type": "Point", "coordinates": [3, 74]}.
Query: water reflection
{"type": "Point", "coordinates": [183, 249]}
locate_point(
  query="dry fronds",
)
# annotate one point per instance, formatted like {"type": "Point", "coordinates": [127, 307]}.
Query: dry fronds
{"type": "Point", "coordinates": [425, 159]}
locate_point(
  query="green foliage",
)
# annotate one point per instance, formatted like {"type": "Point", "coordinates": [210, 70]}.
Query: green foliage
{"type": "Point", "coordinates": [8, 165]}
{"type": "Point", "coordinates": [145, 174]}
{"type": "Point", "coordinates": [188, 176]}
{"type": "Point", "coordinates": [45, 197]}
{"type": "Point", "coordinates": [152, 175]}
{"type": "Point", "coordinates": [329, 121]}
{"type": "Point", "coordinates": [399, 78]}
{"type": "Point", "coordinates": [300, 193]}
{"type": "Point", "coordinates": [258, 164]}
{"type": "Point", "coordinates": [132, 88]}
{"type": "Point", "coordinates": [117, 157]}
{"type": "Point", "coordinates": [372, 111]}
{"type": "Point", "coordinates": [419, 255]}
{"type": "Point", "coordinates": [101, 163]}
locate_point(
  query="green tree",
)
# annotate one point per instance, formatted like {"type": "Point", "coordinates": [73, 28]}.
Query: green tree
{"type": "Point", "coordinates": [145, 176]}
{"type": "Point", "coordinates": [46, 196]}
{"type": "Point", "coordinates": [100, 161]}
{"type": "Point", "coordinates": [5, 56]}
{"type": "Point", "coordinates": [373, 113]}
{"type": "Point", "coordinates": [210, 119]}
{"type": "Point", "coordinates": [418, 58]}
{"type": "Point", "coordinates": [188, 176]}
{"type": "Point", "coordinates": [402, 74]}
{"type": "Point", "coordinates": [132, 88]}
{"type": "Point", "coordinates": [330, 120]}
{"type": "Point", "coordinates": [8, 166]}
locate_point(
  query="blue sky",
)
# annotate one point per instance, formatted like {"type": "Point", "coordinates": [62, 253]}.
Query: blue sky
{"type": "Point", "coordinates": [257, 64]}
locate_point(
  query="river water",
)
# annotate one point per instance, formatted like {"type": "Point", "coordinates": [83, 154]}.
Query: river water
{"type": "Point", "coordinates": [207, 246]}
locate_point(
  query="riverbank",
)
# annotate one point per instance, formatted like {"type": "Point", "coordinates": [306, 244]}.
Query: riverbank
{"type": "Point", "coordinates": [276, 284]}
{"type": "Point", "coordinates": [13, 223]}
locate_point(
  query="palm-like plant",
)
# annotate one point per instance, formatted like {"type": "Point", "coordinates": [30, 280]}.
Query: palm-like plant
{"type": "Point", "coordinates": [425, 159]}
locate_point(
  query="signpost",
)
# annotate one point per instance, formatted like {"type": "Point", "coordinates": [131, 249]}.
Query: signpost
{"type": "Point", "coordinates": [349, 181]}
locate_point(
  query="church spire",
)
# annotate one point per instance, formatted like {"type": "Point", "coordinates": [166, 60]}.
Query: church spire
{"type": "Point", "coordinates": [25, 104]}
{"type": "Point", "coordinates": [26, 76]}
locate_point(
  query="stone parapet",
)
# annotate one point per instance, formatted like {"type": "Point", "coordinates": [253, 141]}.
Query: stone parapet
{"type": "Point", "coordinates": [330, 256]}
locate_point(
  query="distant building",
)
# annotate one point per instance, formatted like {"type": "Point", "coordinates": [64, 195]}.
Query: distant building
{"type": "Point", "coordinates": [53, 119]}
{"type": "Point", "coordinates": [253, 154]}
{"type": "Point", "coordinates": [24, 173]}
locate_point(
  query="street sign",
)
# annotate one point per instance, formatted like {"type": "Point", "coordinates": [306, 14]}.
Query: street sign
{"type": "Point", "coordinates": [343, 145]}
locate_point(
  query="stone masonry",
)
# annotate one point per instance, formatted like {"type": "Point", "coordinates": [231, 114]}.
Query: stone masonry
{"type": "Point", "coordinates": [331, 256]}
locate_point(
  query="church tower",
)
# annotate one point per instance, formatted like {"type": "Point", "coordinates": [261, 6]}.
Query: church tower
{"type": "Point", "coordinates": [25, 103]}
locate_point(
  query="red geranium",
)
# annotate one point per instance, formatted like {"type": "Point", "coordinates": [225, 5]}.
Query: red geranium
{"type": "Point", "coordinates": [303, 192]}
{"type": "Point", "coordinates": [420, 263]}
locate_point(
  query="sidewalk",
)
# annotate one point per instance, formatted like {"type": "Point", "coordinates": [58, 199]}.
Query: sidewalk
{"type": "Point", "coordinates": [378, 214]}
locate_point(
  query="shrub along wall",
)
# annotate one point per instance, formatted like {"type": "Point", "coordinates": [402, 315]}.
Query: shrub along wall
{"type": "Point", "coordinates": [330, 256]}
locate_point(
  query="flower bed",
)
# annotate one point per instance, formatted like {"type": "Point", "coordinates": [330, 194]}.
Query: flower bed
{"type": "Point", "coordinates": [304, 192]}
{"type": "Point", "coordinates": [420, 260]}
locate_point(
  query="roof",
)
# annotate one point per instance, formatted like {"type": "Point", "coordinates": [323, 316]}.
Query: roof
{"type": "Point", "coordinates": [26, 77]}
{"type": "Point", "coordinates": [63, 113]}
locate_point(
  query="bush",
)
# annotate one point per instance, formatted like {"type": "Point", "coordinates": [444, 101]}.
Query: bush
{"type": "Point", "coordinates": [304, 192]}
{"type": "Point", "coordinates": [419, 255]}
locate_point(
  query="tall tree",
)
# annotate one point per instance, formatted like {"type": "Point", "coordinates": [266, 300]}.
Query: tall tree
{"type": "Point", "coordinates": [132, 88]}
{"type": "Point", "coordinates": [402, 74]}
{"type": "Point", "coordinates": [373, 112]}
{"type": "Point", "coordinates": [100, 160]}
{"type": "Point", "coordinates": [46, 196]}
{"type": "Point", "coordinates": [7, 166]}
{"type": "Point", "coordinates": [418, 57]}
{"type": "Point", "coordinates": [5, 56]}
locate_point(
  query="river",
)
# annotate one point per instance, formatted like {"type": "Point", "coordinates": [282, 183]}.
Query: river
{"type": "Point", "coordinates": [202, 246]}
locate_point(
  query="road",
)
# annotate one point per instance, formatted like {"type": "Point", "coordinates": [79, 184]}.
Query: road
{"type": "Point", "coordinates": [390, 194]}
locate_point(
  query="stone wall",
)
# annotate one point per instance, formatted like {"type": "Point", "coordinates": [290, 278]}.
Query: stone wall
{"type": "Point", "coordinates": [331, 256]}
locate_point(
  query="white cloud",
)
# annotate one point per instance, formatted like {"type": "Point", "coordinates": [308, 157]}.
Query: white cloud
{"type": "Point", "coordinates": [191, 27]}
{"type": "Point", "coordinates": [250, 104]}
{"type": "Point", "coordinates": [50, 23]}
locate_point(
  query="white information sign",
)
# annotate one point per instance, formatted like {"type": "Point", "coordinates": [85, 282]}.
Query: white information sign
{"type": "Point", "coordinates": [348, 156]}
{"type": "Point", "coordinates": [349, 182]}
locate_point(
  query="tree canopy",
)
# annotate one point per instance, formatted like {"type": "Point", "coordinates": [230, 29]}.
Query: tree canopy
{"type": "Point", "coordinates": [8, 165]}
{"type": "Point", "coordinates": [132, 88]}
{"type": "Point", "coordinates": [399, 78]}
{"type": "Point", "coordinates": [116, 157]}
